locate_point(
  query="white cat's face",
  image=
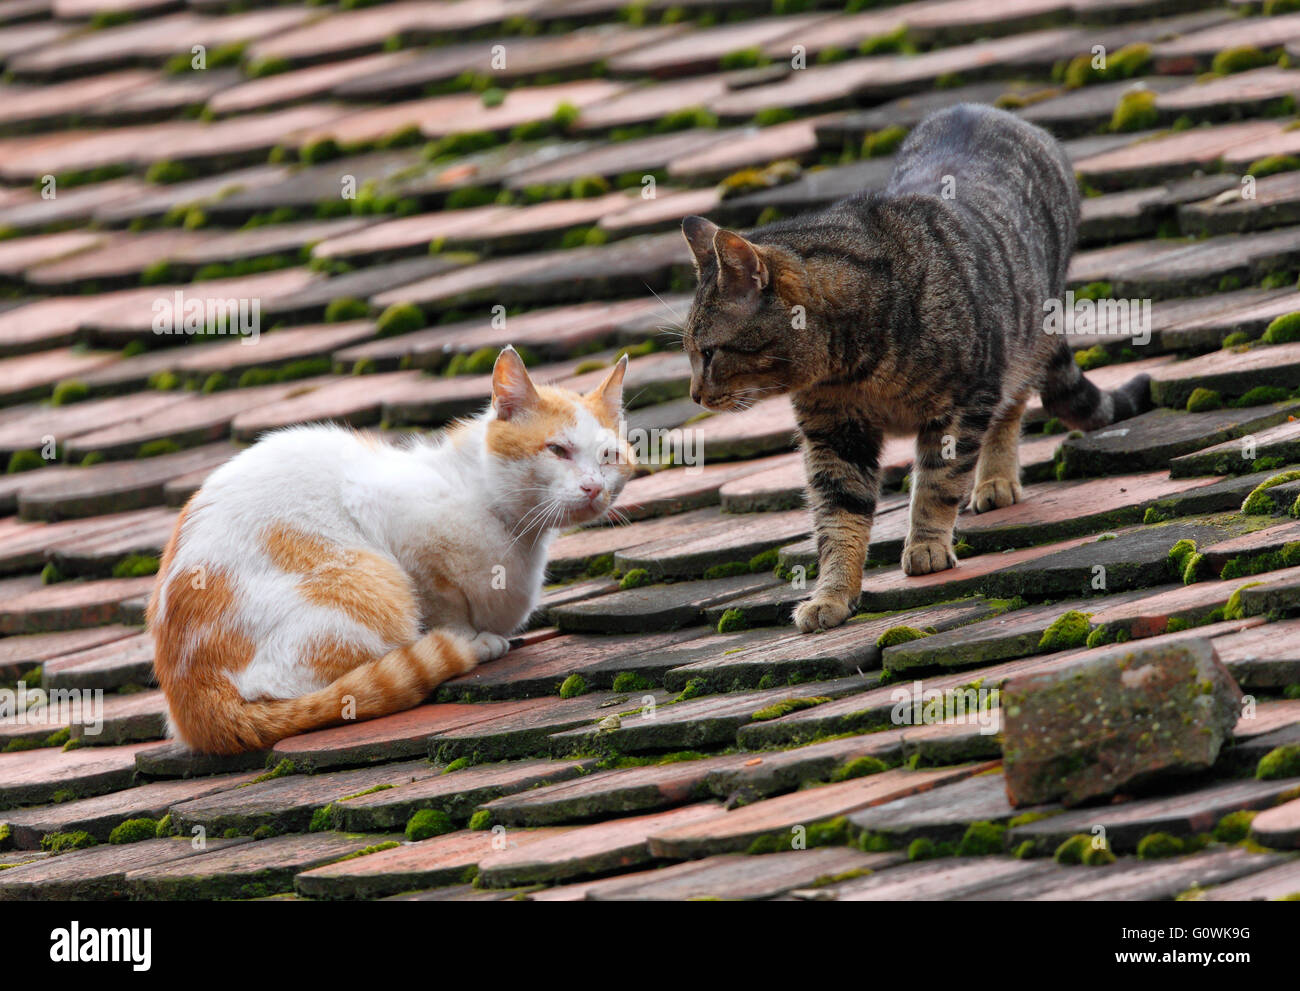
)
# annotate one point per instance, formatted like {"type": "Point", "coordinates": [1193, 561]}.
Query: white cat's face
{"type": "Point", "coordinates": [558, 454]}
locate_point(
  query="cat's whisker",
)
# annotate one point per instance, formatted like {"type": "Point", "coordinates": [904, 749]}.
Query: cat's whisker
{"type": "Point", "coordinates": [665, 303]}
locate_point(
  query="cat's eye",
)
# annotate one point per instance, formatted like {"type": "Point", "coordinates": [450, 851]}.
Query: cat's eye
{"type": "Point", "coordinates": [706, 354]}
{"type": "Point", "coordinates": [559, 450]}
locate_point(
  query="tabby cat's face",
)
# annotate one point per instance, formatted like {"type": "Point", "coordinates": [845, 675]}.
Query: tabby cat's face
{"type": "Point", "coordinates": [739, 335]}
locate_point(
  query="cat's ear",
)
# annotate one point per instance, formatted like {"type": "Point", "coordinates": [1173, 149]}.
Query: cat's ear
{"type": "Point", "coordinates": [512, 390]}
{"type": "Point", "coordinates": [609, 394]}
{"type": "Point", "coordinates": [741, 269]}
{"type": "Point", "coordinates": [699, 235]}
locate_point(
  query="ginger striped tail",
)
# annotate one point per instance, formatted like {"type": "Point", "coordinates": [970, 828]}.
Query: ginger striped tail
{"type": "Point", "coordinates": [210, 716]}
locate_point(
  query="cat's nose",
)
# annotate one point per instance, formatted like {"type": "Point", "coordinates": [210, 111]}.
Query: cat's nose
{"type": "Point", "coordinates": [592, 490]}
{"type": "Point", "coordinates": [695, 396]}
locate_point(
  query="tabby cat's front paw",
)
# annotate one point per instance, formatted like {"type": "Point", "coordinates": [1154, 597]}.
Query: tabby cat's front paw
{"type": "Point", "coordinates": [820, 614]}
{"type": "Point", "coordinates": [995, 493]}
{"type": "Point", "coordinates": [927, 556]}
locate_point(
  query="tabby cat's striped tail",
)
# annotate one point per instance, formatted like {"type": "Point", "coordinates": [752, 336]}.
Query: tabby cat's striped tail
{"type": "Point", "coordinates": [1076, 402]}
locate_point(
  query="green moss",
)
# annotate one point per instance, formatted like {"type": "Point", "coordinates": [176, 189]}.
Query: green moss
{"type": "Point", "coordinates": [366, 851]}
{"type": "Point", "coordinates": [787, 706]}
{"type": "Point", "coordinates": [870, 842]}
{"type": "Point", "coordinates": [859, 767]}
{"type": "Point", "coordinates": [1126, 63]}
{"type": "Point", "coordinates": [1071, 851]}
{"type": "Point", "coordinates": [768, 843]}
{"type": "Point", "coordinates": [1203, 400]}
{"type": "Point", "coordinates": [1136, 111]}
{"type": "Point", "coordinates": [164, 827]}
{"type": "Point", "coordinates": [1025, 850]}
{"type": "Point", "coordinates": [892, 42]}
{"type": "Point", "coordinates": [166, 172]}
{"type": "Point", "coordinates": [630, 681]}
{"type": "Point", "coordinates": [1067, 631]}
{"type": "Point", "coordinates": [1025, 818]}
{"type": "Point", "coordinates": [600, 565]}
{"type": "Point", "coordinates": [1283, 330]}
{"type": "Point", "coordinates": [346, 308]}
{"type": "Point", "coordinates": [165, 381]}
{"type": "Point", "coordinates": [1238, 567]}
{"type": "Point", "coordinates": [69, 392]}
{"type": "Point", "coordinates": [51, 574]}
{"type": "Point", "coordinates": [480, 820]}
{"type": "Point", "coordinates": [1095, 291]}
{"type": "Point", "coordinates": [1233, 609]}
{"type": "Point", "coordinates": [155, 448]}
{"type": "Point", "coordinates": [427, 823]}
{"type": "Point", "coordinates": [271, 66]}
{"type": "Point", "coordinates": [1261, 395]}
{"type": "Point", "coordinates": [21, 461]}
{"type": "Point", "coordinates": [214, 383]}
{"type": "Point", "coordinates": [763, 561]}
{"type": "Point", "coordinates": [281, 770]}
{"type": "Point", "coordinates": [695, 687]}
{"type": "Point", "coordinates": [1097, 856]}
{"type": "Point", "coordinates": [884, 142]}
{"type": "Point", "coordinates": [1258, 503]}
{"type": "Point", "coordinates": [1241, 58]}
{"type": "Point", "coordinates": [1281, 762]}
{"type": "Point", "coordinates": [399, 318]}
{"type": "Point", "coordinates": [63, 842]}
{"type": "Point", "coordinates": [1235, 826]}
{"type": "Point", "coordinates": [573, 686]}
{"type": "Point", "coordinates": [1093, 357]}
{"type": "Point", "coordinates": [635, 578]}
{"type": "Point", "coordinates": [895, 635]}
{"type": "Point", "coordinates": [745, 58]}
{"type": "Point", "coordinates": [1157, 846]}
{"type": "Point", "coordinates": [1099, 637]}
{"type": "Point", "coordinates": [588, 187]}
{"type": "Point", "coordinates": [832, 832]}
{"type": "Point", "coordinates": [728, 570]}
{"type": "Point", "coordinates": [134, 831]}
{"type": "Point", "coordinates": [922, 848]}
{"type": "Point", "coordinates": [1178, 555]}
{"type": "Point", "coordinates": [982, 839]}
{"type": "Point", "coordinates": [322, 819]}
{"type": "Point", "coordinates": [1194, 568]}
{"type": "Point", "coordinates": [1236, 339]}
{"type": "Point", "coordinates": [135, 566]}
{"type": "Point", "coordinates": [732, 620]}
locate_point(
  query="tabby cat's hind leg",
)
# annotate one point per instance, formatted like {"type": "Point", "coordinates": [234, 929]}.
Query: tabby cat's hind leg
{"type": "Point", "coordinates": [997, 473]}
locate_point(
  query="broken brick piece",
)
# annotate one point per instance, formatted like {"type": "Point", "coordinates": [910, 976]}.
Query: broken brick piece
{"type": "Point", "coordinates": [1114, 721]}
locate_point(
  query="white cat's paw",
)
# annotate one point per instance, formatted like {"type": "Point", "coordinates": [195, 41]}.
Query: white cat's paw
{"type": "Point", "coordinates": [489, 646]}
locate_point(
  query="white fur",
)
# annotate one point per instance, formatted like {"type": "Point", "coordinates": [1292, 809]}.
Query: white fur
{"type": "Point", "coordinates": [489, 518]}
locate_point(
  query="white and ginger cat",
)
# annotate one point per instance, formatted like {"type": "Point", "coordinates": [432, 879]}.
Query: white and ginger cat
{"type": "Point", "coordinates": [324, 575]}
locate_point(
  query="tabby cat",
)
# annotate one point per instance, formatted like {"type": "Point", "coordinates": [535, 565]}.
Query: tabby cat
{"type": "Point", "coordinates": [919, 308]}
{"type": "Point", "coordinates": [324, 575]}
